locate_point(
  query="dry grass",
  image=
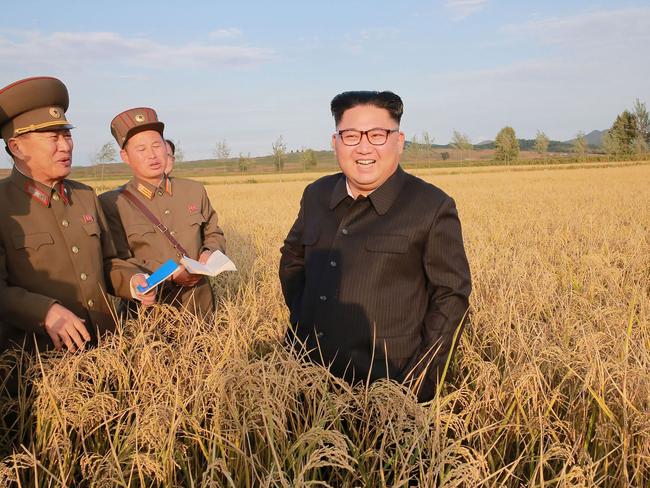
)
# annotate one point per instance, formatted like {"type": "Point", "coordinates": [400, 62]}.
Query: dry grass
{"type": "Point", "coordinates": [551, 386]}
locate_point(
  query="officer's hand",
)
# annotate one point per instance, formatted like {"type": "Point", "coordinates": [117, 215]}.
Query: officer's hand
{"type": "Point", "coordinates": [203, 258]}
{"type": "Point", "coordinates": [65, 328]}
{"type": "Point", "coordinates": [183, 278]}
{"type": "Point", "coordinates": [147, 299]}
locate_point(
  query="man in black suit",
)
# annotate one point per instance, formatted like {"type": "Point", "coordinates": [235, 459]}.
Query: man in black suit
{"type": "Point", "coordinates": [374, 270]}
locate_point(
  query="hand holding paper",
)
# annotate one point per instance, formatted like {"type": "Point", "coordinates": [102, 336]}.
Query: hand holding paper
{"type": "Point", "coordinates": [216, 264]}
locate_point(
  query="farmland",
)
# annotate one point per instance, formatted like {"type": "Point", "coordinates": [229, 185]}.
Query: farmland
{"type": "Point", "coordinates": [550, 386]}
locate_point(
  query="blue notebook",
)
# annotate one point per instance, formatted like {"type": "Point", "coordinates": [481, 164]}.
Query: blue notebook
{"type": "Point", "coordinates": [161, 274]}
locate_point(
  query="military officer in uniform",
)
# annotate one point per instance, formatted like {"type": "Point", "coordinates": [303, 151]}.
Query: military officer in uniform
{"type": "Point", "coordinates": [57, 258]}
{"type": "Point", "coordinates": [156, 218]}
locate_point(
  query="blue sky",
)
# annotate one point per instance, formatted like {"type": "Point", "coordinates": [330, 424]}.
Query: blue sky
{"type": "Point", "coordinates": [248, 72]}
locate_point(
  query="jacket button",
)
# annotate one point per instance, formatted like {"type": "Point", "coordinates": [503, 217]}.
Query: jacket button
{"type": "Point", "coordinates": [333, 264]}
{"type": "Point", "coordinates": [172, 232]}
{"type": "Point", "coordinates": [55, 196]}
{"type": "Point", "coordinates": [83, 276]}
{"type": "Point", "coordinates": [345, 232]}
{"type": "Point", "coordinates": [90, 303]}
{"type": "Point", "coordinates": [65, 223]}
{"type": "Point", "coordinates": [167, 212]}
{"type": "Point", "coordinates": [75, 249]}
{"type": "Point", "coordinates": [323, 298]}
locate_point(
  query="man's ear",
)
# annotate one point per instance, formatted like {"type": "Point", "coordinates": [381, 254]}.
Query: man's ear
{"type": "Point", "coordinates": [400, 141]}
{"type": "Point", "coordinates": [14, 148]}
{"type": "Point", "coordinates": [334, 143]}
{"type": "Point", "coordinates": [125, 157]}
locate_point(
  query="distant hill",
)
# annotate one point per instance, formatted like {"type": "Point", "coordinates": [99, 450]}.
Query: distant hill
{"type": "Point", "coordinates": [527, 145]}
{"type": "Point", "coordinates": [594, 138]}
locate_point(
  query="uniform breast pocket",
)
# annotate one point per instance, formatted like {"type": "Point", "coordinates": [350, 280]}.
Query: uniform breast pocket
{"type": "Point", "coordinates": [92, 229]}
{"type": "Point", "coordinates": [31, 252]}
{"type": "Point", "coordinates": [196, 219]}
{"type": "Point", "coordinates": [139, 233]}
{"type": "Point", "coordinates": [32, 241]}
{"type": "Point", "coordinates": [387, 243]}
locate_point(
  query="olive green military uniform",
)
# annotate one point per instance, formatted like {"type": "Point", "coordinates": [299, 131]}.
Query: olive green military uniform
{"type": "Point", "coordinates": [55, 246]}
{"type": "Point", "coordinates": [184, 208]}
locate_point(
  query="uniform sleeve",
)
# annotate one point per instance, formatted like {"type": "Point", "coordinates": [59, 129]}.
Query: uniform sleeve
{"type": "Point", "coordinates": [449, 285]}
{"type": "Point", "coordinates": [22, 308]}
{"type": "Point", "coordinates": [119, 264]}
{"type": "Point", "coordinates": [292, 265]}
{"type": "Point", "coordinates": [213, 238]}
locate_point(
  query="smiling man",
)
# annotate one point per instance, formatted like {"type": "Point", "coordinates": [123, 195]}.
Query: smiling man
{"type": "Point", "coordinates": [374, 271]}
{"type": "Point", "coordinates": [57, 259]}
{"type": "Point", "coordinates": [155, 217]}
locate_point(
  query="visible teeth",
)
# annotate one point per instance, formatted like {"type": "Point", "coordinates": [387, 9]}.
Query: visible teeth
{"type": "Point", "coordinates": [365, 161]}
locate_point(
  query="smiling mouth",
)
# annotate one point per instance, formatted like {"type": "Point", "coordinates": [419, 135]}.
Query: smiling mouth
{"type": "Point", "coordinates": [365, 162]}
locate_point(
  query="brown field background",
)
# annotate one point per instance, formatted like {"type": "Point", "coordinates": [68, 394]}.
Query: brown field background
{"type": "Point", "coordinates": [550, 386]}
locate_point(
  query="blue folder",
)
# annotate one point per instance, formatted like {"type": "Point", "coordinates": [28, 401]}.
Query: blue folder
{"type": "Point", "coordinates": [161, 274]}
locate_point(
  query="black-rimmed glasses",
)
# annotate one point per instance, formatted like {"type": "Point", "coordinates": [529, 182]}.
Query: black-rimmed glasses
{"type": "Point", "coordinates": [376, 137]}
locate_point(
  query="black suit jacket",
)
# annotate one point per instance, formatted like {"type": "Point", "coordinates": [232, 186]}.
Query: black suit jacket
{"type": "Point", "coordinates": [378, 286]}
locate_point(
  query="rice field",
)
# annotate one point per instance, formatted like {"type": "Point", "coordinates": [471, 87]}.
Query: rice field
{"type": "Point", "coordinates": [550, 385]}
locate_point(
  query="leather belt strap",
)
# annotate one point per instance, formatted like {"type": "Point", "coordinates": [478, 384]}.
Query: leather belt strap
{"type": "Point", "coordinates": [157, 224]}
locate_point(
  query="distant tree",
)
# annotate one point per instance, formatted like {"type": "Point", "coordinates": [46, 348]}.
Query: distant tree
{"type": "Point", "coordinates": [179, 154]}
{"type": "Point", "coordinates": [579, 145]}
{"type": "Point", "coordinates": [308, 158]}
{"type": "Point", "coordinates": [460, 141]}
{"type": "Point", "coordinates": [244, 162]}
{"type": "Point", "coordinates": [623, 133]}
{"type": "Point", "coordinates": [541, 143]}
{"type": "Point", "coordinates": [506, 145]}
{"type": "Point", "coordinates": [106, 154]}
{"type": "Point", "coordinates": [642, 121]}
{"type": "Point", "coordinates": [640, 146]}
{"type": "Point", "coordinates": [427, 146]}
{"type": "Point", "coordinates": [279, 151]}
{"type": "Point", "coordinates": [608, 145]}
{"type": "Point", "coordinates": [413, 150]}
{"type": "Point", "coordinates": [444, 156]}
{"type": "Point", "coordinates": [222, 150]}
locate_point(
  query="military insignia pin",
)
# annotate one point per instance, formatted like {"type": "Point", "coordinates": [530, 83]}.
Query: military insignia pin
{"type": "Point", "coordinates": [55, 113]}
{"type": "Point", "coordinates": [87, 218]}
{"type": "Point", "coordinates": [191, 208]}
{"type": "Point", "coordinates": [139, 118]}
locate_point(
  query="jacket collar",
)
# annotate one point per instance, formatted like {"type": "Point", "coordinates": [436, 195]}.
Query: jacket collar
{"type": "Point", "coordinates": [149, 191]}
{"type": "Point", "coordinates": [43, 194]}
{"type": "Point", "coordinates": [381, 198]}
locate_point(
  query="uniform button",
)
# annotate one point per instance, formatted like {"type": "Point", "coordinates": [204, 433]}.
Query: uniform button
{"type": "Point", "coordinates": [160, 193]}
{"type": "Point", "coordinates": [345, 232]}
{"type": "Point", "coordinates": [333, 264]}
{"type": "Point", "coordinates": [83, 276]}
{"type": "Point", "coordinates": [167, 212]}
{"type": "Point", "coordinates": [55, 196]}
{"type": "Point", "coordinates": [173, 232]}
{"type": "Point", "coordinates": [65, 223]}
{"type": "Point", "coordinates": [320, 335]}
{"type": "Point", "coordinates": [323, 298]}
{"type": "Point", "coordinates": [90, 303]}
{"type": "Point", "coordinates": [75, 249]}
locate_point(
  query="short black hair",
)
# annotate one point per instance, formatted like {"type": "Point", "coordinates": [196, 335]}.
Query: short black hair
{"type": "Point", "coordinates": [350, 99]}
{"type": "Point", "coordinates": [172, 145]}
